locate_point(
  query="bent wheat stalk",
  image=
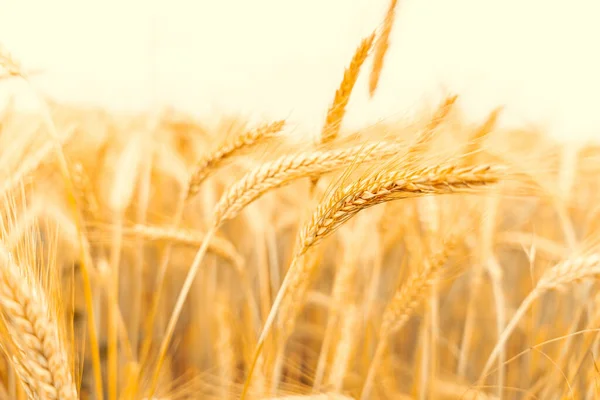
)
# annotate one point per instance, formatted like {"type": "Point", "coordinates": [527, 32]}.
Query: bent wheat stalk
{"type": "Point", "coordinates": [377, 188]}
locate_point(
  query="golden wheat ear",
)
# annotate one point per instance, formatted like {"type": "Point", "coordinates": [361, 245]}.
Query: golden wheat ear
{"type": "Point", "coordinates": [214, 160]}
{"type": "Point", "coordinates": [34, 331]}
{"type": "Point", "coordinates": [381, 47]}
{"type": "Point", "coordinates": [337, 110]}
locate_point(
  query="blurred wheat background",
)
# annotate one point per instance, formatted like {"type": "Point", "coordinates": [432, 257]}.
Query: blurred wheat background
{"type": "Point", "coordinates": [299, 200]}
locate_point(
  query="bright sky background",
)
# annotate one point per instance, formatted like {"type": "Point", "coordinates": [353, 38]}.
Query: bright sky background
{"type": "Point", "coordinates": [285, 58]}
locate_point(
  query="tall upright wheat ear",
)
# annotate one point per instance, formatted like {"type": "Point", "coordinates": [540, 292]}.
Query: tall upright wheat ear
{"type": "Point", "coordinates": [381, 47]}
{"type": "Point", "coordinates": [33, 330]}
{"type": "Point", "coordinates": [383, 185]}
{"type": "Point", "coordinates": [569, 271]}
{"type": "Point", "coordinates": [337, 110]}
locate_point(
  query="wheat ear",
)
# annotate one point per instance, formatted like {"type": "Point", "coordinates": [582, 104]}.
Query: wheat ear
{"type": "Point", "coordinates": [209, 163]}
{"type": "Point", "coordinates": [41, 361]}
{"type": "Point", "coordinates": [337, 110]}
{"type": "Point", "coordinates": [381, 47]}
{"type": "Point", "coordinates": [383, 187]}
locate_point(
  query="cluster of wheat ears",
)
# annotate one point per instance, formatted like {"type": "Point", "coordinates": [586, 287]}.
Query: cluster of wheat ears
{"type": "Point", "coordinates": [156, 257]}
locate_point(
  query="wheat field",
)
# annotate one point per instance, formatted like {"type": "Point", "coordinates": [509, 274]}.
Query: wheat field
{"type": "Point", "coordinates": [159, 256]}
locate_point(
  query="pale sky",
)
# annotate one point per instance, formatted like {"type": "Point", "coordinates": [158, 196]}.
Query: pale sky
{"type": "Point", "coordinates": [285, 58]}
